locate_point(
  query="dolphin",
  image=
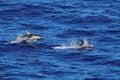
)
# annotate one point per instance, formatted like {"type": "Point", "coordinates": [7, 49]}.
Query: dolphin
{"type": "Point", "coordinates": [28, 37]}
{"type": "Point", "coordinates": [84, 45]}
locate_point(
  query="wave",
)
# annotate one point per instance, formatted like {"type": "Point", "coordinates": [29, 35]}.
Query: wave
{"type": "Point", "coordinates": [60, 21]}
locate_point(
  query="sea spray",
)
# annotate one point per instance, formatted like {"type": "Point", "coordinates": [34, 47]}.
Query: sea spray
{"type": "Point", "coordinates": [68, 45]}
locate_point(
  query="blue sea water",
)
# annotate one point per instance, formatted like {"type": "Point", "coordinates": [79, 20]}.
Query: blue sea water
{"type": "Point", "coordinates": [60, 22]}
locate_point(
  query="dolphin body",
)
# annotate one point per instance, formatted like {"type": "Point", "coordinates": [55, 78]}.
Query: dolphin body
{"type": "Point", "coordinates": [28, 37]}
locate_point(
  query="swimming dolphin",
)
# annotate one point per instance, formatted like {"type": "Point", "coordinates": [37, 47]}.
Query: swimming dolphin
{"type": "Point", "coordinates": [83, 45]}
{"type": "Point", "coordinates": [28, 37]}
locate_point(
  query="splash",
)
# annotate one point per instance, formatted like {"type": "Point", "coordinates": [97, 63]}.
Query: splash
{"type": "Point", "coordinates": [71, 45]}
{"type": "Point", "coordinates": [19, 39]}
{"type": "Point", "coordinates": [75, 45]}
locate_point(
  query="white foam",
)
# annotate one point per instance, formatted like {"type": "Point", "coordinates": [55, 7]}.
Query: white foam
{"type": "Point", "coordinates": [19, 39]}
{"type": "Point", "coordinates": [74, 45]}
{"type": "Point", "coordinates": [71, 45]}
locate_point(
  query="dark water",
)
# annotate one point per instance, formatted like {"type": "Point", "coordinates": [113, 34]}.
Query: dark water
{"type": "Point", "coordinates": [59, 22]}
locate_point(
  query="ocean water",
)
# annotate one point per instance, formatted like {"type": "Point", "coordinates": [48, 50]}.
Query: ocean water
{"type": "Point", "coordinates": [60, 22]}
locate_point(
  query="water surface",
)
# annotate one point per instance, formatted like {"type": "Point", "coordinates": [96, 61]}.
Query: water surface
{"type": "Point", "coordinates": [60, 22]}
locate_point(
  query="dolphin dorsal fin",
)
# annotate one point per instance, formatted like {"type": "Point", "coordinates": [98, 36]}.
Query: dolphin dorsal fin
{"type": "Point", "coordinates": [27, 33]}
{"type": "Point", "coordinates": [84, 42]}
